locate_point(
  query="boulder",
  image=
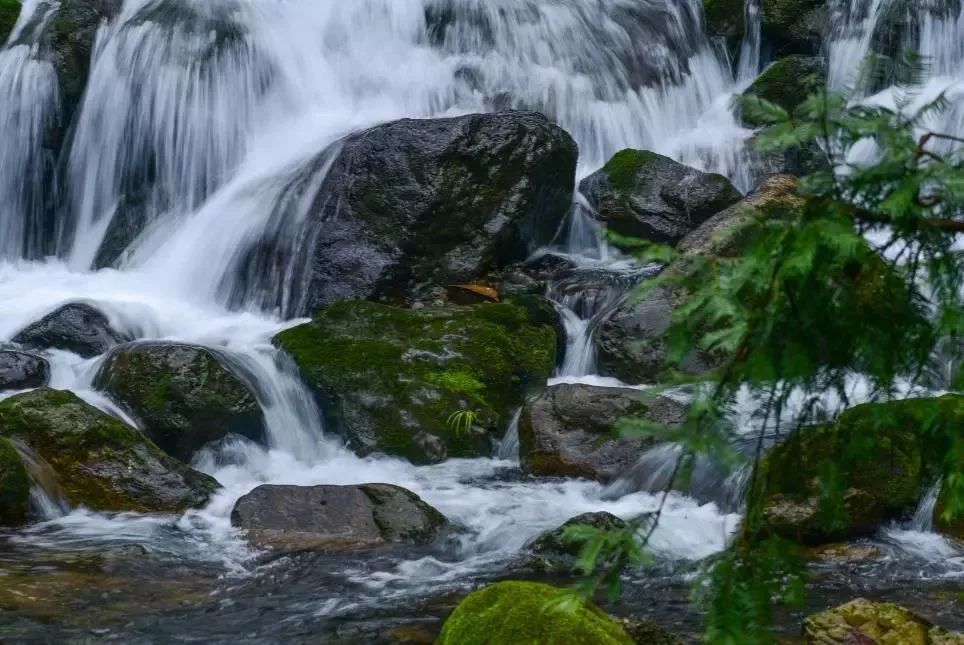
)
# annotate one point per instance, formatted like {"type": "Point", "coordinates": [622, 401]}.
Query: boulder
{"type": "Point", "coordinates": [568, 431]}
{"type": "Point", "coordinates": [787, 82]}
{"type": "Point", "coordinates": [182, 396]}
{"type": "Point", "coordinates": [390, 379]}
{"type": "Point", "coordinates": [22, 371]}
{"type": "Point", "coordinates": [793, 26]}
{"type": "Point", "coordinates": [886, 453]}
{"type": "Point", "coordinates": [552, 551]}
{"type": "Point", "coordinates": [14, 486]}
{"type": "Point", "coordinates": [517, 612]}
{"type": "Point", "coordinates": [412, 204]}
{"type": "Point", "coordinates": [646, 632]}
{"type": "Point", "coordinates": [644, 195]}
{"type": "Point", "coordinates": [335, 518]}
{"type": "Point", "coordinates": [866, 621]}
{"type": "Point", "coordinates": [100, 462]}
{"type": "Point", "coordinates": [75, 327]}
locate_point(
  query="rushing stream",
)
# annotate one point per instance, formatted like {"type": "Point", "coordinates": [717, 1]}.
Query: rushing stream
{"type": "Point", "coordinates": [209, 109]}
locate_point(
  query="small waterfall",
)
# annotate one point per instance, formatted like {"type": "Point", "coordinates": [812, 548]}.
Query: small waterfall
{"type": "Point", "coordinates": [29, 112]}
{"type": "Point", "coordinates": [509, 446]}
{"type": "Point", "coordinates": [923, 519]}
{"type": "Point", "coordinates": [749, 63]}
{"type": "Point", "coordinates": [47, 500]}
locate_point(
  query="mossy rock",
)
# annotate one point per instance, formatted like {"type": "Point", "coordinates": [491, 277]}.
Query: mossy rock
{"type": "Point", "coordinates": [886, 453]}
{"type": "Point", "coordinates": [519, 612]}
{"type": "Point", "coordinates": [787, 82]}
{"type": "Point", "coordinates": [182, 396]}
{"type": "Point", "coordinates": [14, 486]}
{"type": "Point", "coordinates": [793, 26]}
{"type": "Point", "coordinates": [101, 463]}
{"type": "Point", "coordinates": [953, 527]}
{"type": "Point", "coordinates": [866, 621]}
{"type": "Point", "coordinates": [9, 13]}
{"type": "Point", "coordinates": [389, 379]}
{"type": "Point", "coordinates": [725, 18]}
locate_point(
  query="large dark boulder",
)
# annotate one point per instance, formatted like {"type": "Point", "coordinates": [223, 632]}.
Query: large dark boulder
{"type": "Point", "coordinates": [887, 454]}
{"type": "Point", "coordinates": [515, 612]}
{"type": "Point", "coordinates": [569, 430]}
{"type": "Point", "coordinates": [14, 486]}
{"type": "Point", "coordinates": [336, 518]}
{"type": "Point", "coordinates": [100, 462]}
{"type": "Point", "coordinates": [645, 195]}
{"type": "Point", "coordinates": [415, 203]}
{"type": "Point", "coordinates": [22, 371]}
{"type": "Point", "coordinates": [390, 379]}
{"type": "Point", "coordinates": [182, 396]}
{"type": "Point", "coordinates": [76, 327]}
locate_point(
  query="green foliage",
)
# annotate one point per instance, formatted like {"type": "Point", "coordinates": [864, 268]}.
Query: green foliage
{"type": "Point", "coordinates": [462, 421]}
{"type": "Point", "coordinates": [860, 284]}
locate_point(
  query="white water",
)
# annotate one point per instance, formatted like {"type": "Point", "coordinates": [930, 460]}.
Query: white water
{"type": "Point", "coordinates": [224, 129]}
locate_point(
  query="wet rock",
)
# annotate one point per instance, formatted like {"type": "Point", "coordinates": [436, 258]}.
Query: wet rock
{"type": "Point", "coordinates": [390, 379]}
{"type": "Point", "coordinates": [514, 612]}
{"type": "Point", "coordinates": [725, 18]}
{"type": "Point", "coordinates": [787, 82]}
{"type": "Point", "coordinates": [569, 430]}
{"type": "Point", "coordinates": [22, 371]}
{"type": "Point", "coordinates": [14, 486]}
{"type": "Point", "coordinates": [646, 632]}
{"type": "Point", "coordinates": [552, 551]}
{"type": "Point", "coordinates": [866, 621]}
{"type": "Point", "coordinates": [793, 26]}
{"type": "Point", "coordinates": [885, 463]}
{"type": "Point", "coordinates": [336, 518]}
{"type": "Point", "coordinates": [645, 195]}
{"type": "Point", "coordinates": [846, 553]}
{"type": "Point", "coordinates": [182, 396]}
{"type": "Point", "coordinates": [76, 327]}
{"type": "Point", "coordinates": [100, 462]}
{"type": "Point", "coordinates": [412, 204]}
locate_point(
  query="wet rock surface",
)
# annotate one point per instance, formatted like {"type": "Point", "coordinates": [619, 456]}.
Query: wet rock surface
{"type": "Point", "coordinates": [76, 327]}
{"type": "Point", "coordinates": [182, 396]}
{"type": "Point", "coordinates": [570, 430]}
{"type": "Point", "coordinates": [335, 518]}
{"type": "Point", "coordinates": [21, 371]}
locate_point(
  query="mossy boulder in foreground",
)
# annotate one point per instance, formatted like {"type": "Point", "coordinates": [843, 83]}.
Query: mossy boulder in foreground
{"type": "Point", "coordinates": [389, 379]}
{"type": "Point", "coordinates": [865, 621]}
{"type": "Point", "coordinates": [520, 612]}
{"type": "Point", "coordinates": [100, 462]}
{"type": "Point", "coordinates": [182, 396]}
{"type": "Point", "coordinates": [14, 486]}
{"type": "Point", "coordinates": [886, 455]}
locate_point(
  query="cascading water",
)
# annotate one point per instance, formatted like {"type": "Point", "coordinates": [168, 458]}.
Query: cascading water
{"type": "Point", "coordinates": [198, 139]}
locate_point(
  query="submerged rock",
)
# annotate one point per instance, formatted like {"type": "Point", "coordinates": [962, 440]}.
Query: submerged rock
{"type": "Point", "coordinates": [413, 204]}
{"type": "Point", "coordinates": [14, 486]}
{"type": "Point", "coordinates": [645, 195]}
{"type": "Point", "coordinates": [517, 612]}
{"type": "Point", "coordinates": [569, 430]}
{"type": "Point", "coordinates": [887, 455]}
{"type": "Point", "coordinates": [182, 396]}
{"type": "Point", "coordinates": [390, 379]}
{"type": "Point", "coordinates": [552, 551]}
{"type": "Point", "coordinates": [100, 462]}
{"type": "Point", "coordinates": [866, 621]}
{"type": "Point", "coordinates": [22, 371]}
{"type": "Point", "coordinates": [336, 517]}
{"type": "Point", "coordinates": [76, 327]}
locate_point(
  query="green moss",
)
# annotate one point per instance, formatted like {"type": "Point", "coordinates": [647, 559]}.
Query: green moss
{"type": "Point", "coordinates": [519, 613]}
{"type": "Point", "coordinates": [9, 13]}
{"type": "Point", "coordinates": [725, 17]}
{"type": "Point", "coordinates": [389, 376]}
{"type": "Point", "coordinates": [886, 453]}
{"type": "Point", "coordinates": [625, 165]}
{"type": "Point", "coordinates": [14, 486]}
{"type": "Point", "coordinates": [793, 26]}
{"type": "Point", "coordinates": [787, 82]}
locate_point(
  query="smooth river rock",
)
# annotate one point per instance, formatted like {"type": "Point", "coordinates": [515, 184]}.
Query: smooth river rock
{"type": "Point", "coordinates": [336, 518]}
{"type": "Point", "coordinates": [22, 371]}
{"type": "Point", "coordinates": [569, 430]}
{"type": "Point", "coordinates": [76, 327]}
